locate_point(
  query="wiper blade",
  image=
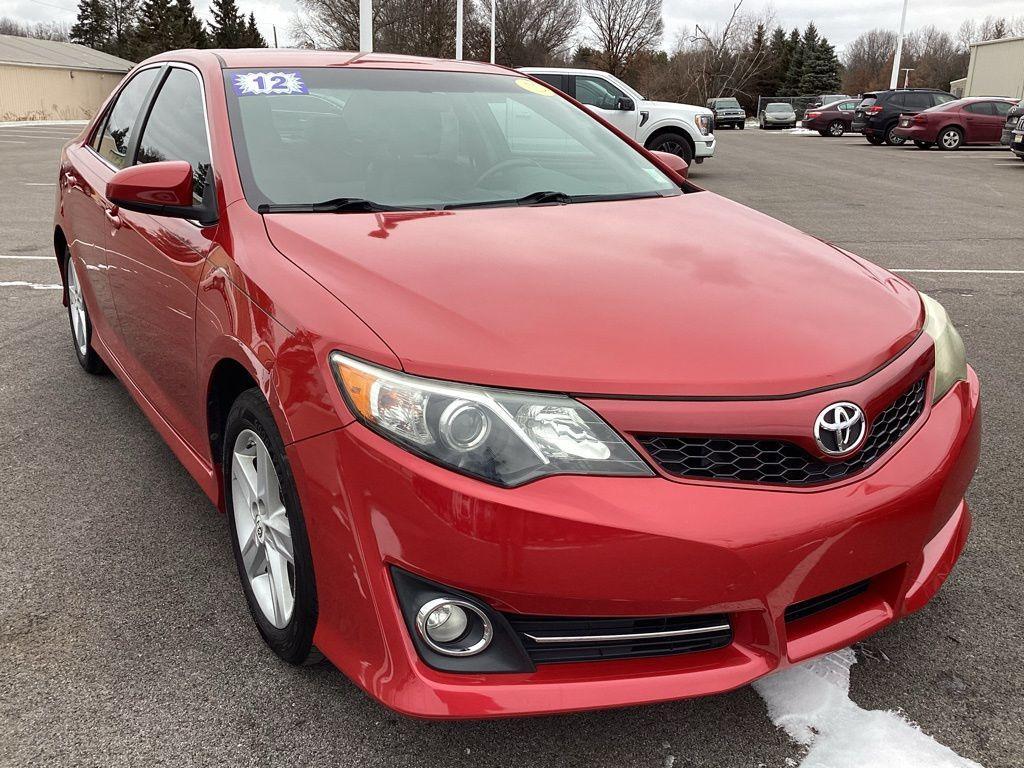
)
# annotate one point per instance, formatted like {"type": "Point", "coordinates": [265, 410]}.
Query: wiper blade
{"type": "Point", "coordinates": [335, 205]}
{"type": "Point", "coordinates": [534, 198]}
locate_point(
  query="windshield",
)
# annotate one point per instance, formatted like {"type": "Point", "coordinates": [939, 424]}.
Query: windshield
{"type": "Point", "coordinates": [727, 104]}
{"type": "Point", "coordinates": [422, 139]}
{"type": "Point", "coordinates": [779, 108]}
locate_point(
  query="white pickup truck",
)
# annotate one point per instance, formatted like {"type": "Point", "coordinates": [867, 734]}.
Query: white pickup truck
{"type": "Point", "coordinates": [681, 129]}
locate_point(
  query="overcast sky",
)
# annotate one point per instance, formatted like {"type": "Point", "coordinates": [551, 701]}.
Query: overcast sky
{"type": "Point", "coordinates": [841, 22]}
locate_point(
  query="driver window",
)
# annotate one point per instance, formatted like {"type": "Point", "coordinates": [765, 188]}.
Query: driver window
{"type": "Point", "coordinates": [113, 140]}
{"type": "Point", "coordinates": [596, 92]}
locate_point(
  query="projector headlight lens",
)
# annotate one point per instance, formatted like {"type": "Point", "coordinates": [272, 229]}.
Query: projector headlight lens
{"type": "Point", "coordinates": [950, 357]}
{"type": "Point", "coordinates": [504, 437]}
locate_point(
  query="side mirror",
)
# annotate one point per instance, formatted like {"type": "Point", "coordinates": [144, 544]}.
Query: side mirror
{"type": "Point", "coordinates": [625, 104]}
{"type": "Point", "coordinates": [674, 164]}
{"type": "Point", "coordinates": [162, 189]}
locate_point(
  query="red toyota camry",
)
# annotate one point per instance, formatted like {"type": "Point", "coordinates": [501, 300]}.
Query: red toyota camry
{"type": "Point", "coordinates": [507, 416]}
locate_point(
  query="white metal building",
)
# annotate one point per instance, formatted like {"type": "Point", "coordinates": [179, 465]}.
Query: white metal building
{"type": "Point", "coordinates": [996, 68]}
{"type": "Point", "coordinates": [47, 80]}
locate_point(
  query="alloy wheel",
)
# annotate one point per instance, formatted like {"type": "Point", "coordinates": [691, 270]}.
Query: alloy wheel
{"type": "Point", "coordinates": [261, 525]}
{"type": "Point", "coordinates": [950, 139]}
{"type": "Point", "coordinates": [836, 128]}
{"type": "Point", "coordinates": [76, 308]}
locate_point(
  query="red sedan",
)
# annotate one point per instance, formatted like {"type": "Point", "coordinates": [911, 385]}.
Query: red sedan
{"type": "Point", "coordinates": [975, 120]}
{"type": "Point", "coordinates": [506, 416]}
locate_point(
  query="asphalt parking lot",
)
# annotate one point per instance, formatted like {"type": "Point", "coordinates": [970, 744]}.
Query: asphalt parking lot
{"type": "Point", "coordinates": [124, 638]}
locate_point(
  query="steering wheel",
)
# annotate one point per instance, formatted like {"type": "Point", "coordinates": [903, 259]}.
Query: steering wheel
{"type": "Point", "coordinates": [512, 162]}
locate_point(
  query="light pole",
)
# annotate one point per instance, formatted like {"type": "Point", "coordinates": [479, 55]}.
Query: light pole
{"type": "Point", "coordinates": [494, 3]}
{"type": "Point", "coordinates": [894, 81]}
{"type": "Point", "coordinates": [366, 25]}
{"type": "Point", "coordinates": [458, 30]}
{"type": "Point", "coordinates": [906, 76]}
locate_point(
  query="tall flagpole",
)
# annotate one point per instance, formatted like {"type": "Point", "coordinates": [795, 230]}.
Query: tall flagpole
{"type": "Point", "coordinates": [366, 25]}
{"type": "Point", "coordinates": [458, 30]}
{"type": "Point", "coordinates": [894, 81]}
{"type": "Point", "coordinates": [494, 3]}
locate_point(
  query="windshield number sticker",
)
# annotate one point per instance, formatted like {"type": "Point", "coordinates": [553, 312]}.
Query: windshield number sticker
{"type": "Point", "coordinates": [268, 84]}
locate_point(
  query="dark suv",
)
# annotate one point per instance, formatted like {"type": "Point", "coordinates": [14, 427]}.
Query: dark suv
{"type": "Point", "coordinates": [879, 111]}
{"type": "Point", "coordinates": [1012, 118]}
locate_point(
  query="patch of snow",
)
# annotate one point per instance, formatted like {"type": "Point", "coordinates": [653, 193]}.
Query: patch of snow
{"type": "Point", "coordinates": [812, 704]}
{"type": "Point", "coordinates": [33, 286]}
{"type": "Point", "coordinates": [799, 132]}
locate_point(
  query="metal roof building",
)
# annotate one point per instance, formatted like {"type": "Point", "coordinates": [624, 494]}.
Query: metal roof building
{"type": "Point", "coordinates": [996, 68]}
{"type": "Point", "coordinates": [47, 80]}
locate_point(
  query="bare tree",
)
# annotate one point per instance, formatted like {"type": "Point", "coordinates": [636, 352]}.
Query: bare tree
{"type": "Point", "coordinates": [42, 30]}
{"type": "Point", "coordinates": [623, 29]}
{"type": "Point", "coordinates": [868, 61]}
{"type": "Point", "coordinates": [526, 31]}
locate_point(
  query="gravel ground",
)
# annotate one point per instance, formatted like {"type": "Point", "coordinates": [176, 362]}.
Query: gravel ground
{"type": "Point", "coordinates": [124, 639]}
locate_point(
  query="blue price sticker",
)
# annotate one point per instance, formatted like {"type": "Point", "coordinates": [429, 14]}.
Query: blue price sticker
{"type": "Point", "coordinates": [268, 83]}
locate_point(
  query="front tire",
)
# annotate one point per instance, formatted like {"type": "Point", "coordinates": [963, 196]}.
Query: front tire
{"type": "Point", "coordinates": [741, 126]}
{"type": "Point", "coordinates": [268, 531]}
{"type": "Point", "coordinates": [78, 316]}
{"type": "Point", "coordinates": [892, 139]}
{"type": "Point", "coordinates": [674, 143]}
{"type": "Point", "coordinates": [876, 141]}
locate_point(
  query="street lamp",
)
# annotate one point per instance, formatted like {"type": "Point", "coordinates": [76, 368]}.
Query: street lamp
{"type": "Point", "coordinates": [894, 81]}
{"type": "Point", "coordinates": [906, 76]}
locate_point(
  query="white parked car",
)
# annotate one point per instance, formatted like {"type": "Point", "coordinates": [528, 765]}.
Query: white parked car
{"type": "Point", "coordinates": [681, 129]}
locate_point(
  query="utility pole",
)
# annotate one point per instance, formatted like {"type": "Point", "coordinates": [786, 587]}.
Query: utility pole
{"type": "Point", "coordinates": [494, 3]}
{"type": "Point", "coordinates": [275, 35]}
{"type": "Point", "coordinates": [458, 30]}
{"type": "Point", "coordinates": [894, 81]}
{"type": "Point", "coordinates": [366, 25]}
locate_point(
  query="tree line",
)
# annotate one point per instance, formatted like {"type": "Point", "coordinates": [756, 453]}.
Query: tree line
{"type": "Point", "coordinates": [746, 56]}
{"type": "Point", "coordinates": [137, 29]}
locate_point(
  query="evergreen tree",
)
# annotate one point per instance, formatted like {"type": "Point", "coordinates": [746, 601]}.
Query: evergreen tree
{"type": "Point", "coordinates": [821, 70]}
{"type": "Point", "coordinates": [252, 37]}
{"type": "Point", "coordinates": [795, 70]}
{"type": "Point", "coordinates": [189, 31]}
{"type": "Point", "coordinates": [157, 29]}
{"type": "Point", "coordinates": [228, 27]}
{"type": "Point", "coordinates": [122, 17]}
{"type": "Point", "coordinates": [90, 26]}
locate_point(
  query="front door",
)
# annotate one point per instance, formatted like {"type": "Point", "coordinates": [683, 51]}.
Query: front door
{"type": "Point", "coordinates": [161, 263]}
{"type": "Point", "coordinates": [606, 99]}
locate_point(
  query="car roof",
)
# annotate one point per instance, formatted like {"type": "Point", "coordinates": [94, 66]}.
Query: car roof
{"type": "Point", "coordinates": [564, 70]}
{"type": "Point", "coordinates": [240, 58]}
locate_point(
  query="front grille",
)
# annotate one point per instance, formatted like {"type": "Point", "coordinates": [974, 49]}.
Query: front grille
{"type": "Point", "coordinates": [820, 603]}
{"type": "Point", "coordinates": [550, 639]}
{"type": "Point", "coordinates": [778, 461]}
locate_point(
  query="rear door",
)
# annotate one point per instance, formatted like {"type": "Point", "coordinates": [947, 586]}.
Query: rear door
{"type": "Point", "coordinates": [982, 121]}
{"type": "Point", "coordinates": [162, 260]}
{"type": "Point", "coordinates": [86, 209]}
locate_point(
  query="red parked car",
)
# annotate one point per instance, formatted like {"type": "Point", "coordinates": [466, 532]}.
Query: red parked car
{"type": "Point", "coordinates": [974, 120]}
{"type": "Point", "coordinates": [506, 416]}
{"type": "Point", "coordinates": [832, 119]}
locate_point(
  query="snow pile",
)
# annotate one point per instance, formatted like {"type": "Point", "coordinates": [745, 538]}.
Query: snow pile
{"type": "Point", "coordinates": [800, 132]}
{"type": "Point", "coordinates": [812, 704]}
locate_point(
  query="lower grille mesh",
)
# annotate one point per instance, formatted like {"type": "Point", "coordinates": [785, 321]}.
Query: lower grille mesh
{"type": "Point", "coordinates": [778, 461]}
{"type": "Point", "coordinates": [823, 602]}
{"type": "Point", "coordinates": [551, 639]}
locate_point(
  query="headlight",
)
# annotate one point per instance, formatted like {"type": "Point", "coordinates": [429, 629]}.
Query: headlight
{"type": "Point", "coordinates": [500, 436]}
{"type": "Point", "coordinates": [703, 123]}
{"type": "Point", "coordinates": [950, 359]}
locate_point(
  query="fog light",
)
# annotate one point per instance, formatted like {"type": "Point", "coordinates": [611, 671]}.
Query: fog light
{"type": "Point", "coordinates": [453, 627]}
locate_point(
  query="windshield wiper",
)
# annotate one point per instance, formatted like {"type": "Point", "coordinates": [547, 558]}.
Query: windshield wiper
{"type": "Point", "coordinates": [534, 198]}
{"type": "Point", "coordinates": [335, 205]}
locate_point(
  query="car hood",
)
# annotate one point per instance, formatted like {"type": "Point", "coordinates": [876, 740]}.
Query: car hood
{"type": "Point", "coordinates": [671, 106]}
{"type": "Point", "coordinates": [691, 295]}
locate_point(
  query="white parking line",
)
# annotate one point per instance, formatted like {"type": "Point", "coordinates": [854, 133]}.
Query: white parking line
{"type": "Point", "coordinates": [27, 258]}
{"type": "Point", "coordinates": [5, 141]}
{"type": "Point", "coordinates": [57, 136]}
{"type": "Point", "coordinates": [963, 271]}
{"type": "Point", "coordinates": [33, 286]}
{"type": "Point", "coordinates": [40, 184]}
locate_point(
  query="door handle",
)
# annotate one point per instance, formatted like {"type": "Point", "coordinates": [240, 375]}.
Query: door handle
{"type": "Point", "coordinates": [112, 217]}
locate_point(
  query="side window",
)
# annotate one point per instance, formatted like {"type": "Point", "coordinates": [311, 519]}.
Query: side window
{"type": "Point", "coordinates": [555, 81]}
{"type": "Point", "coordinates": [1002, 107]}
{"type": "Point", "coordinates": [917, 100]}
{"type": "Point", "coordinates": [114, 138]}
{"type": "Point", "coordinates": [848, 106]}
{"type": "Point", "coordinates": [980, 108]}
{"type": "Point", "coordinates": [898, 100]}
{"type": "Point", "coordinates": [597, 92]}
{"type": "Point", "coordinates": [942, 98]}
{"type": "Point", "coordinates": [176, 128]}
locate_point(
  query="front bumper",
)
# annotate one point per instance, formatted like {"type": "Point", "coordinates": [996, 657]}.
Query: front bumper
{"type": "Point", "coordinates": [601, 546]}
{"type": "Point", "coordinates": [704, 147]}
{"type": "Point", "coordinates": [1017, 143]}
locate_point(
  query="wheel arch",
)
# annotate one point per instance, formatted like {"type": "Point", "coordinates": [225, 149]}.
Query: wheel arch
{"type": "Point", "coordinates": [60, 244]}
{"type": "Point", "coordinates": [672, 128]}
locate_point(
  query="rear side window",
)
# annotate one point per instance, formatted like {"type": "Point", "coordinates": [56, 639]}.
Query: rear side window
{"type": "Point", "coordinates": [868, 101]}
{"type": "Point", "coordinates": [555, 81]}
{"type": "Point", "coordinates": [848, 106]}
{"type": "Point", "coordinates": [898, 100]}
{"type": "Point", "coordinates": [942, 98]}
{"type": "Point", "coordinates": [980, 108]}
{"type": "Point", "coordinates": [1002, 107]}
{"type": "Point", "coordinates": [176, 128]}
{"type": "Point", "coordinates": [917, 100]}
{"type": "Point", "coordinates": [116, 133]}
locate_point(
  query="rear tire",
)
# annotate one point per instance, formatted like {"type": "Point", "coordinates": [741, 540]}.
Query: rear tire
{"type": "Point", "coordinates": [823, 133]}
{"type": "Point", "coordinates": [78, 316]}
{"type": "Point", "coordinates": [265, 520]}
{"type": "Point", "coordinates": [876, 141]}
{"type": "Point", "coordinates": [950, 138]}
{"type": "Point", "coordinates": [674, 143]}
{"type": "Point", "coordinates": [892, 139]}
{"type": "Point", "coordinates": [836, 128]}
{"type": "Point", "coordinates": [923, 144]}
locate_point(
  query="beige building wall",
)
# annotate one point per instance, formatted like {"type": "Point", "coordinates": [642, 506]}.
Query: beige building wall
{"type": "Point", "coordinates": [996, 69]}
{"type": "Point", "coordinates": [52, 93]}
